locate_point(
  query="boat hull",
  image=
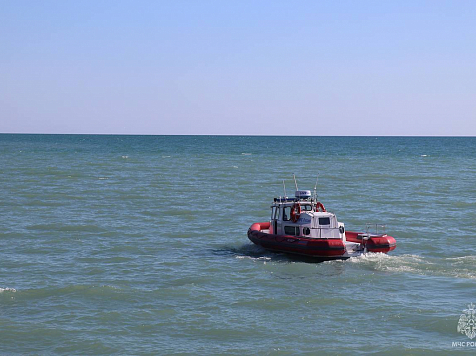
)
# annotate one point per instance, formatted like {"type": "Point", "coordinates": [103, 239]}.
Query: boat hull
{"type": "Point", "coordinates": [319, 248]}
{"type": "Point", "coordinates": [325, 249]}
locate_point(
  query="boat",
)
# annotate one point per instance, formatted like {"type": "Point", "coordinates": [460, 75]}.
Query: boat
{"type": "Point", "coordinates": [301, 225]}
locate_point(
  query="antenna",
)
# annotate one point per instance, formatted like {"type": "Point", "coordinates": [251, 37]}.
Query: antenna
{"type": "Point", "coordinates": [284, 185]}
{"type": "Point", "coordinates": [315, 188]}
{"type": "Point", "coordinates": [295, 183]}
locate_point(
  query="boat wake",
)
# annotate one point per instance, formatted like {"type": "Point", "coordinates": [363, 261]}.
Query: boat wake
{"type": "Point", "coordinates": [258, 253]}
{"type": "Point", "coordinates": [248, 251]}
{"type": "Point", "coordinates": [460, 267]}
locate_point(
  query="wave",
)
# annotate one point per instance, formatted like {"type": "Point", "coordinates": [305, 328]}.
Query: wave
{"type": "Point", "coordinates": [251, 252]}
{"type": "Point", "coordinates": [7, 289]}
{"type": "Point", "coordinates": [456, 267]}
{"type": "Point", "coordinates": [66, 228]}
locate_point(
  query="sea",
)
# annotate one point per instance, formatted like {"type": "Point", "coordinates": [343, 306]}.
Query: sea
{"type": "Point", "coordinates": [137, 245]}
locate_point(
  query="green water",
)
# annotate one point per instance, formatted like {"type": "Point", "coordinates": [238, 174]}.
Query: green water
{"type": "Point", "coordinates": [137, 245]}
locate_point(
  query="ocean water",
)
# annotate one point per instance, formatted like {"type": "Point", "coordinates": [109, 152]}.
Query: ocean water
{"type": "Point", "coordinates": [137, 245]}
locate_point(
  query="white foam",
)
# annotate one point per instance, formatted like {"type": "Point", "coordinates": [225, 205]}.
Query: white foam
{"type": "Point", "coordinates": [13, 290]}
{"type": "Point", "coordinates": [456, 267]}
{"type": "Point", "coordinates": [461, 258]}
{"type": "Point", "coordinates": [369, 257]}
{"type": "Point", "coordinates": [379, 256]}
{"type": "Point", "coordinates": [261, 258]}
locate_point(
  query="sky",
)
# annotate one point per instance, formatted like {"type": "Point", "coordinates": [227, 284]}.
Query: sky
{"type": "Point", "coordinates": [314, 68]}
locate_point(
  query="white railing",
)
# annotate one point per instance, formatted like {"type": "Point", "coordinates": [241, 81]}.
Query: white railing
{"type": "Point", "coordinates": [375, 229]}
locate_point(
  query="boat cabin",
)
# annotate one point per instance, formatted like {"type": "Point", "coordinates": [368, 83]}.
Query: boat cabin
{"type": "Point", "coordinates": [304, 216]}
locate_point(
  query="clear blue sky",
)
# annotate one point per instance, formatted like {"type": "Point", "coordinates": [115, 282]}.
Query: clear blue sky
{"type": "Point", "coordinates": [238, 67]}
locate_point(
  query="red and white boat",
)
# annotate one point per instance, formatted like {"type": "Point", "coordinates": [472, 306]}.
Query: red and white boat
{"type": "Point", "coordinates": [301, 225]}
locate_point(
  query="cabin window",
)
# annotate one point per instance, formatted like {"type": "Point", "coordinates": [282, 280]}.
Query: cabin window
{"type": "Point", "coordinates": [306, 231]}
{"type": "Point", "coordinates": [306, 207]}
{"type": "Point", "coordinates": [291, 230]}
{"type": "Point", "coordinates": [287, 213]}
{"type": "Point", "coordinates": [273, 213]}
{"type": "Point", "coordinates": [324, 221]}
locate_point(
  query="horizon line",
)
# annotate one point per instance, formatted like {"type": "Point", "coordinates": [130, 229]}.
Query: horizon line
{"type": "Point", "coordinates": [225, 135]}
